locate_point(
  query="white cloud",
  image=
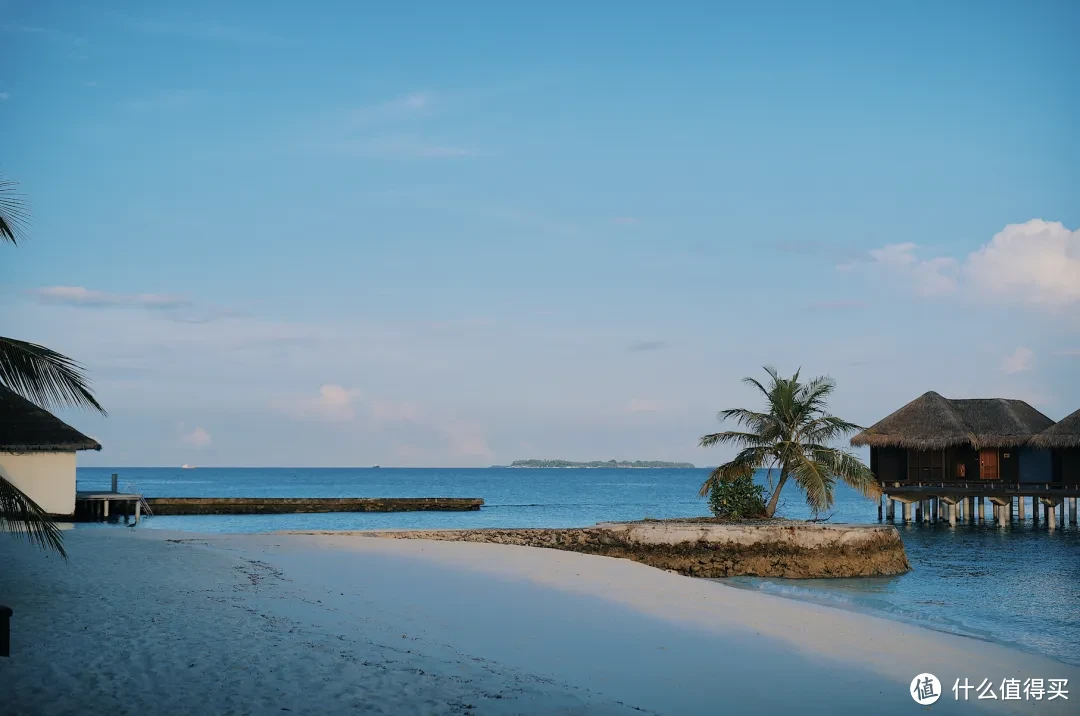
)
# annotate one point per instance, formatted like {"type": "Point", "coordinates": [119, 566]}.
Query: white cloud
{"type": "Point", "coordinates": [333, 404]}
{"type": "Point", "coordinates": [177, 308]}
{"type": "Point", "coordinates": [1037, 262]}
{"type": "Point", "coordinates": [82, 296]}
{"type": "Point", "coordinates": [895, 254]}
{"type": "Point", "coordinates": [198, 437]}
{"type": "Point", "coordinates": [931, 277]}
{"type": "Point", "coordinates": [1019, 361]}
{"type": "Point", "coordinates": [934, 277]}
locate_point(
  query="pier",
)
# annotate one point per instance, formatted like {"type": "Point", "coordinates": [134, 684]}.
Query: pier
{"type": "Point", "coordinates": [97, 506]}
{"type": "Point", "coordinates": [997, 502]}
{"type": "Point", "coordinates": [298, 505]}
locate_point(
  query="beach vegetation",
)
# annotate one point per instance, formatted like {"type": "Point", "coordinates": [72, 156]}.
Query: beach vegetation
{"type": "Point", "coordinates": [792, 437]}
{"type": "Point", "coordinates": [42, 376]}
{"type": "Point", "coordinates": [737, 499]}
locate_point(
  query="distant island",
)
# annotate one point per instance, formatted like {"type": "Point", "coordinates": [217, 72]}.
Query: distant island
{"type": "Point", "coordinates": [601, 463]}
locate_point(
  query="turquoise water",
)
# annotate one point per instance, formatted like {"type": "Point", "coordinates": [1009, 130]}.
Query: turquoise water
{"type": "Point", "coordinates": [1018, 586]}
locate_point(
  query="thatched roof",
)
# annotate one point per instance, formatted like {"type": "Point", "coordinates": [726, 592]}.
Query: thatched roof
{"type": "Point", "coordinates": [1063, 434]}
{"type": "Point", "coordinates": [931, 422]}
{"type": "Point", "coordinates": [24, 427]}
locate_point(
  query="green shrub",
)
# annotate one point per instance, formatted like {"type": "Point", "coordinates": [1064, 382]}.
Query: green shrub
{"type": "Point", "coordinates": [738, 499]}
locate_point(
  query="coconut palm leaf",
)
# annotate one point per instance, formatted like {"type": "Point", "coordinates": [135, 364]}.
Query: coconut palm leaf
{"type": "Point", "coordinates": [21, 516]}
{"type": "Point", "coordinates": [729, 437]}
{"type": "Point", "coordinates": [793, 433]}
{"type": "Point", "coordinates": [815, 480]}
{"type": "Point", "coordinates": [744, 463]}
{"type": "Point", "coordinates": [44, 377]}
{"type": "Point", "coordinates": [14, 214]}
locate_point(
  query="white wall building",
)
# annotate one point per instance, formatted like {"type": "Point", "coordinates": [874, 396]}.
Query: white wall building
{"type": "Point", "coordinates": [37, 453]}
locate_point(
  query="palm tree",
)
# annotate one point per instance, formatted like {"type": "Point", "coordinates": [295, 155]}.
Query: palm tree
{"type": "Point", "coordinates": [42, 376]}
{"type": "Point", "coordinates": [792, 435]}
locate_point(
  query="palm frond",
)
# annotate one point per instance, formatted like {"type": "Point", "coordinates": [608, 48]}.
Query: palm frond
{"type": "Point", "coordinates": [44, 377]}
{"type": "Point", "coordinates": [814, 393]}
{"type": "Point", "coordinates": [746, 418]}
{"type": "Point", "coordinates": [744, 463]}
{"type": "Point", "coordinates": [757, 384]}
{"type": "Point", "coordinates": [21, 516]}
{"type": "Point", "coordinates": [827, 428]}
{"type": "Point", "coordinates": [848, 468]}
{"type": "Point", "coordinates": [730, 437]}
{"type": "Point", "coordinates": [14, 212]}
{"type": "Point", "coordinates": [816, 481]}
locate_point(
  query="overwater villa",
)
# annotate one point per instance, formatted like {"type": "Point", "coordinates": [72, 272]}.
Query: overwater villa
{"type": "Point", "coordinates": [941, 455]}
{"type": "Point", "coordinates": [1063, 441]}
{"type": "Point", "coordinates": [37, 453]}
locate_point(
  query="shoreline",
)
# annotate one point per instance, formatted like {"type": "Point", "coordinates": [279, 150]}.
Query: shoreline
{"type": "Point", "coordinates": [151, 621]}
{"type": "Point", "coordinates": [853, 606]}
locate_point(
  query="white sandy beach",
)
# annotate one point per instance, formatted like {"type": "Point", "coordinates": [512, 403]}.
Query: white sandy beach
{"type": "Point", "coordinates": [146, 622]}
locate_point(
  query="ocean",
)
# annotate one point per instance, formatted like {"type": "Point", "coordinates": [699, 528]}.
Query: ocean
{"type": "Point", "coordinates": [1018, 586]}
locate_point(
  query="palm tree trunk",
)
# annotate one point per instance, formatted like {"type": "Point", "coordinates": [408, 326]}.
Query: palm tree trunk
{"type": "Point", "coordinates": [771, 507]}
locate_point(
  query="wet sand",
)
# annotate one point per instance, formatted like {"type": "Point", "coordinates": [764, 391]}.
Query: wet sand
{"type": "Point", "coordinates": [147, 622]}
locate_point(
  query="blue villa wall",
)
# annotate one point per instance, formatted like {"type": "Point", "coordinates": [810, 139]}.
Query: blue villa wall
{"type": "Point", "coordinates": [1035, 465]}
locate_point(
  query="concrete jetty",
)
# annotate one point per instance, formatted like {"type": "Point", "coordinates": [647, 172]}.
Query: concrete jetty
{"type": "Point", "coordinates": [295, 505]}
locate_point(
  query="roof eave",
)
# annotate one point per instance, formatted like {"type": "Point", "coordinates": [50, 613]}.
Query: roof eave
{"type": "Point", "coordinates": [1050, 442]}
{"type": "Point", "coordinates": [977, 442]}
{"type": "Point", "coordinates": [53, 447]}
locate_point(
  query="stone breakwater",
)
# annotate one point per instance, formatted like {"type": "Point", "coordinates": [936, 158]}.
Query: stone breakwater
{"type": "Point", "coordinates": [696, 549]}
{"type": "Point", "coordinates": [297, 505]}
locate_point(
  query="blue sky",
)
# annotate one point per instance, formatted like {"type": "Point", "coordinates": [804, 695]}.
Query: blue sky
{"type": "Point", "coordinates": [465, 233]}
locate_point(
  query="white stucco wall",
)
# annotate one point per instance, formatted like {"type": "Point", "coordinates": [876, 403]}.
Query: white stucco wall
{"type": "Point", "coordinates": [48, 478]}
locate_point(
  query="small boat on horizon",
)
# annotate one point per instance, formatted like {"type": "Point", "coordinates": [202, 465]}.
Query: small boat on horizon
{"type": "Point", "coordinates": [185, 466]}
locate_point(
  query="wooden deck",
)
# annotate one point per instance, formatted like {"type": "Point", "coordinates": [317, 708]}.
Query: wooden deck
{"type": "Point", "coordinates": [98, 504]}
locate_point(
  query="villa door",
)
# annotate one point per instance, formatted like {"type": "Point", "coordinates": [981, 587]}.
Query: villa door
{"type": "Point", "coordinates": [989, 467]}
